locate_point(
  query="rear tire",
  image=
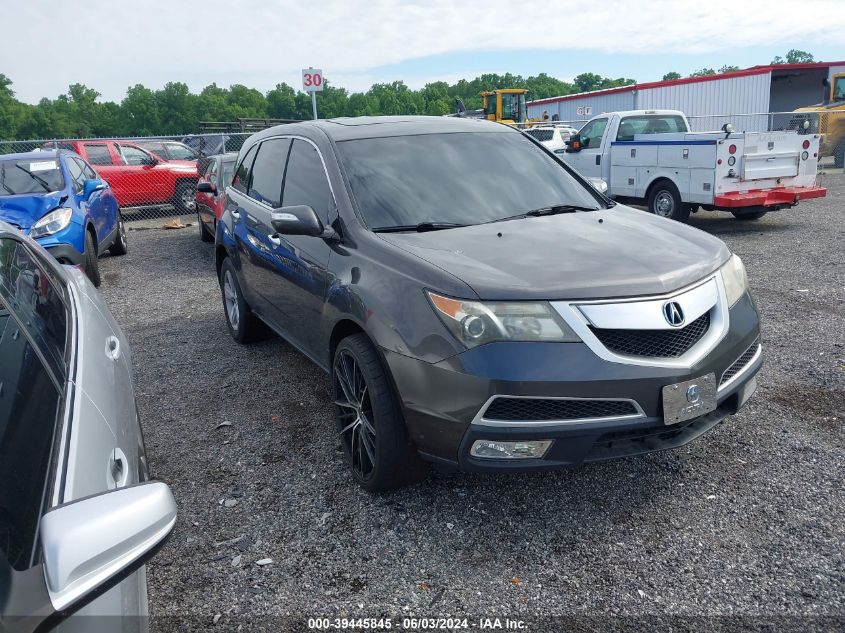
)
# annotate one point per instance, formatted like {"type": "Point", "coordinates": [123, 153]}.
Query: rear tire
{"type": "Point", "coordinates": [369, 420]}
{"type": "Point", "coordinates": [92, 263]}
{"type": "Point", "coordinates": [756, 215]}
{"type": "Point", "coordinates": [120, 245]}
{"type": "Point", "coordinates": [243, 325]}
{"type": "Point", "coordinates": [205, 234]}
{"type": "Point", "coordinates": [665, 200]}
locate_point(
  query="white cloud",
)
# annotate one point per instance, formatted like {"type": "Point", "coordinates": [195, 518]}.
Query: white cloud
{"type": "Point", "coordinates": [111, 45]}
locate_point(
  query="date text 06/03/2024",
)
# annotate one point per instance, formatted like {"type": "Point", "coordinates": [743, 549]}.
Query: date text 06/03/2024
{"type": "Point", "coordinates": [417, 624]}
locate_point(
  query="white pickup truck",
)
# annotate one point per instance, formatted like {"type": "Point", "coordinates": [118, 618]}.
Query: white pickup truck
{"type": "Point", "coordinates": [650, 157]}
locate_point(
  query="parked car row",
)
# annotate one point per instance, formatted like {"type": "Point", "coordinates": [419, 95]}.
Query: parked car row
{"type": "Point", "coordinates": [476, 303]}
{"type": "Point", "coordinates": [58, 199]}
{"type": "Point", "coordinates": [138, 177]}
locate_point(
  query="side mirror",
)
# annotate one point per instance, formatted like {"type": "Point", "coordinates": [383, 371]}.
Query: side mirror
{"type": "Point", "coordinates": [150, 161]}
{"type": "Point", "coordinates": [88, 547]}
{"type": "Point", "coordinates": [92, 544]}
{"type": "Point", "coordinates": [297, 220]}
{"type": "Point", "coordinates": [206, 187]}
{"type": "Point", "coordinates": [91, 185]}
{"type": "Point", "coordinates": [574, 143]}
{"type": "Point", "coordinates": [598, 184]}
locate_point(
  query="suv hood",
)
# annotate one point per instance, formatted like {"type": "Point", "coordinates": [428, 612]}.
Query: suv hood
{"type": "Point", "coordinates": [618, 252]}
{"type": "Point", "coordinates": [24, 210]}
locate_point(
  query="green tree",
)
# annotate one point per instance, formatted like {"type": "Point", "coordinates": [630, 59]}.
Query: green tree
{"type": "Point", "coordinates": [671, 75]}
{"type": "Point", "coordinates": [177, 108]}
{"type": "Point", "coordinates": [794, 56]}
{"type": "Point", "coordinates": [281, 102]}
{"type": "Point", "coordinates": [703, 72]}
{"type": "Point", "coordinates": [139, 112]}
{"type": "Point", "coordinates": [728, 69]}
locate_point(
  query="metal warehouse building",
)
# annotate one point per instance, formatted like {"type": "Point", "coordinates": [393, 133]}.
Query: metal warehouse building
{"type": "Point", "coordinates": [711, 100]}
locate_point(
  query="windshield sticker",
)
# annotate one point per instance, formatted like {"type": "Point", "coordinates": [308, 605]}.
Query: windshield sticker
{"type": "Point", "coordinates": [44, 165]}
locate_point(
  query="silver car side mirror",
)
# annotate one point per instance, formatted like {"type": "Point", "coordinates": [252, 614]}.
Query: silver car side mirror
{"type": "Point", "coordinates": [88, 543]}
{"type": "Point", "coordinates": [598, 184]}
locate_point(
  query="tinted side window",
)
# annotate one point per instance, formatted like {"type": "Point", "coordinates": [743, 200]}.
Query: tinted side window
{"type": "Point", "coordinates": [267, 172]}
{"type": "Point", "coordinates": [305, 181]}
{"type": "Point", "coordinates": [134, 155]}
{"type": "Point", "coordinates": [98, 154]}
{"type": "Point", "coordinates": [243, 174]}
{"type": "Point", "coordinates": [29, 405]}
{"type": "Point", "coordinates": [32, 291]}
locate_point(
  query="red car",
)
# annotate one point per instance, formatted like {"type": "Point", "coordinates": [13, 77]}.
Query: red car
{"type": "Point", "coordinates": [137, 177]}
{"type": "Point", "coordinates": [215, 173]}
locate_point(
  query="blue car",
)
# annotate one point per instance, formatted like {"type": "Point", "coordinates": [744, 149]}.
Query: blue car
{"type": "Point", "coordinates": [56, 198]}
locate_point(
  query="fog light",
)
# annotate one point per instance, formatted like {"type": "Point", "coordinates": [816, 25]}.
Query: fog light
{"type": "Point", "coordinates": [492, 449]}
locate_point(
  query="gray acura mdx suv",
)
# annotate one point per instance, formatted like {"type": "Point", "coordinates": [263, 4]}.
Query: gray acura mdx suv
{"type": "Point", "coordinates": [475, 301]}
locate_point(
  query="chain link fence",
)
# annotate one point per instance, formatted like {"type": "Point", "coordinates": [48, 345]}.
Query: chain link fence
{"type": "Point", "coordinates": [155, 176]}
{"type": "Point", "coordinates": [152, 177]}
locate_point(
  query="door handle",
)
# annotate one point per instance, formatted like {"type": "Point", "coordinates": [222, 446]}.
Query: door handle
{"type": "Point", "coordinates": [118, 469]}
{"type": "Point", "coordinates": [112, 347]}
{"type": "Point", "coordinates": [275, 240]}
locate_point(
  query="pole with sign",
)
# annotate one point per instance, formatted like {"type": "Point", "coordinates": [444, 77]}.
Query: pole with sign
{"type": "Point", "coordinates": [312, 81]}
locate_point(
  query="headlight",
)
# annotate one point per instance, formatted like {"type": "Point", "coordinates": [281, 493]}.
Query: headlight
{"type": "Point", "coordinates": [52, 222]}
{"type": "Point", "coordinates": [475, 323]}
{"type": "Point", "coordinates": [733, 275]}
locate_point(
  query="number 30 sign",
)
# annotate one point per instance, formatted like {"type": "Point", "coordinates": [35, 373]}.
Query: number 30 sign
{"type": "Point", "coordinates": [312, 80]}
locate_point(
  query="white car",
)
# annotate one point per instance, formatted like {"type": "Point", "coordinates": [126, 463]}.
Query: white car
{"type": "Point", "coordinates": [553, 137]}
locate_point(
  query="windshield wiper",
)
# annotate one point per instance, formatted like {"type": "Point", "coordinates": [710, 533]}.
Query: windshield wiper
{"type": "Point", "coordinates": [7, 188]}
{"type": "Point", "coordinates": [542, 211]}
{"type": "Point", "coordinates": [37, 179]}
{"type": "Point", "coordinates": [422, 227]}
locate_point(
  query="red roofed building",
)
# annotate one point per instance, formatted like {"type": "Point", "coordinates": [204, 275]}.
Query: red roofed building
{"type": "Point", "coordinates": [753, 92]}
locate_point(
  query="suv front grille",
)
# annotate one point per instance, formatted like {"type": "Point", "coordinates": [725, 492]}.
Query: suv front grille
{"type": "Point", "coordinates": [654, 343]}
{"type": "Point", "coordinates": [528, 409]}
{"type": "Point", "coordinates": [740, 363]}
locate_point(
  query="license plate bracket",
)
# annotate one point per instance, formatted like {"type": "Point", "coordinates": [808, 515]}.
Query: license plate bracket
{"type": "Point", "coordinates": [689, 399]}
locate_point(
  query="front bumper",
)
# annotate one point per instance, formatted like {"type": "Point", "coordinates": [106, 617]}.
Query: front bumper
{"type": "Point", "coordinates": [65, 254]}
{"type": "Point", "coordinates": [441, 401]}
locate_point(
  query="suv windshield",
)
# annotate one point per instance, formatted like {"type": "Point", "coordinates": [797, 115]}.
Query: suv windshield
{"type": "Point", "coordinates": [30, 176]}
{"type": "Point", "coordinates": [459, 178]}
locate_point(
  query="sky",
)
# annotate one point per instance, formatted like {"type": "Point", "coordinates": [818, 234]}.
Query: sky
{"type": "Point", "coordinates": [110, 45]}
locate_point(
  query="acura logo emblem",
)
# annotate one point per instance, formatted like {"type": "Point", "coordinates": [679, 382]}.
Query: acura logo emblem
{"type": "Point", "coordinates": [673, 314]}
{"type": "Point", "coordinates": [693, 394]}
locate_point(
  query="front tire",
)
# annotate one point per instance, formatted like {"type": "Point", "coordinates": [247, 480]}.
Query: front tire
{"type": "Point", "coordinates": [205, 234]}
{"type": "Point", "coordinates": [184, 197]}
{"type": "Point", "coordinates": [120, 245]}
{"type": "Point", "coordinates": [665, 200]}
{"type": "Point", "coordinates": [243, 325]}
{"type": "Point", "coordinates": [369, 420]}
{"type": "Point", "coordinates": [92, 263]}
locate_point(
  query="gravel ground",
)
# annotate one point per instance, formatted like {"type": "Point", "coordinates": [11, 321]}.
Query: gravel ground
{"type": "Point", "coordinates": [748, 520]}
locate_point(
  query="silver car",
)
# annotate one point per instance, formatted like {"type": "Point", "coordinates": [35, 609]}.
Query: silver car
{"type": "Point", "coordinates": [78, 516]}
